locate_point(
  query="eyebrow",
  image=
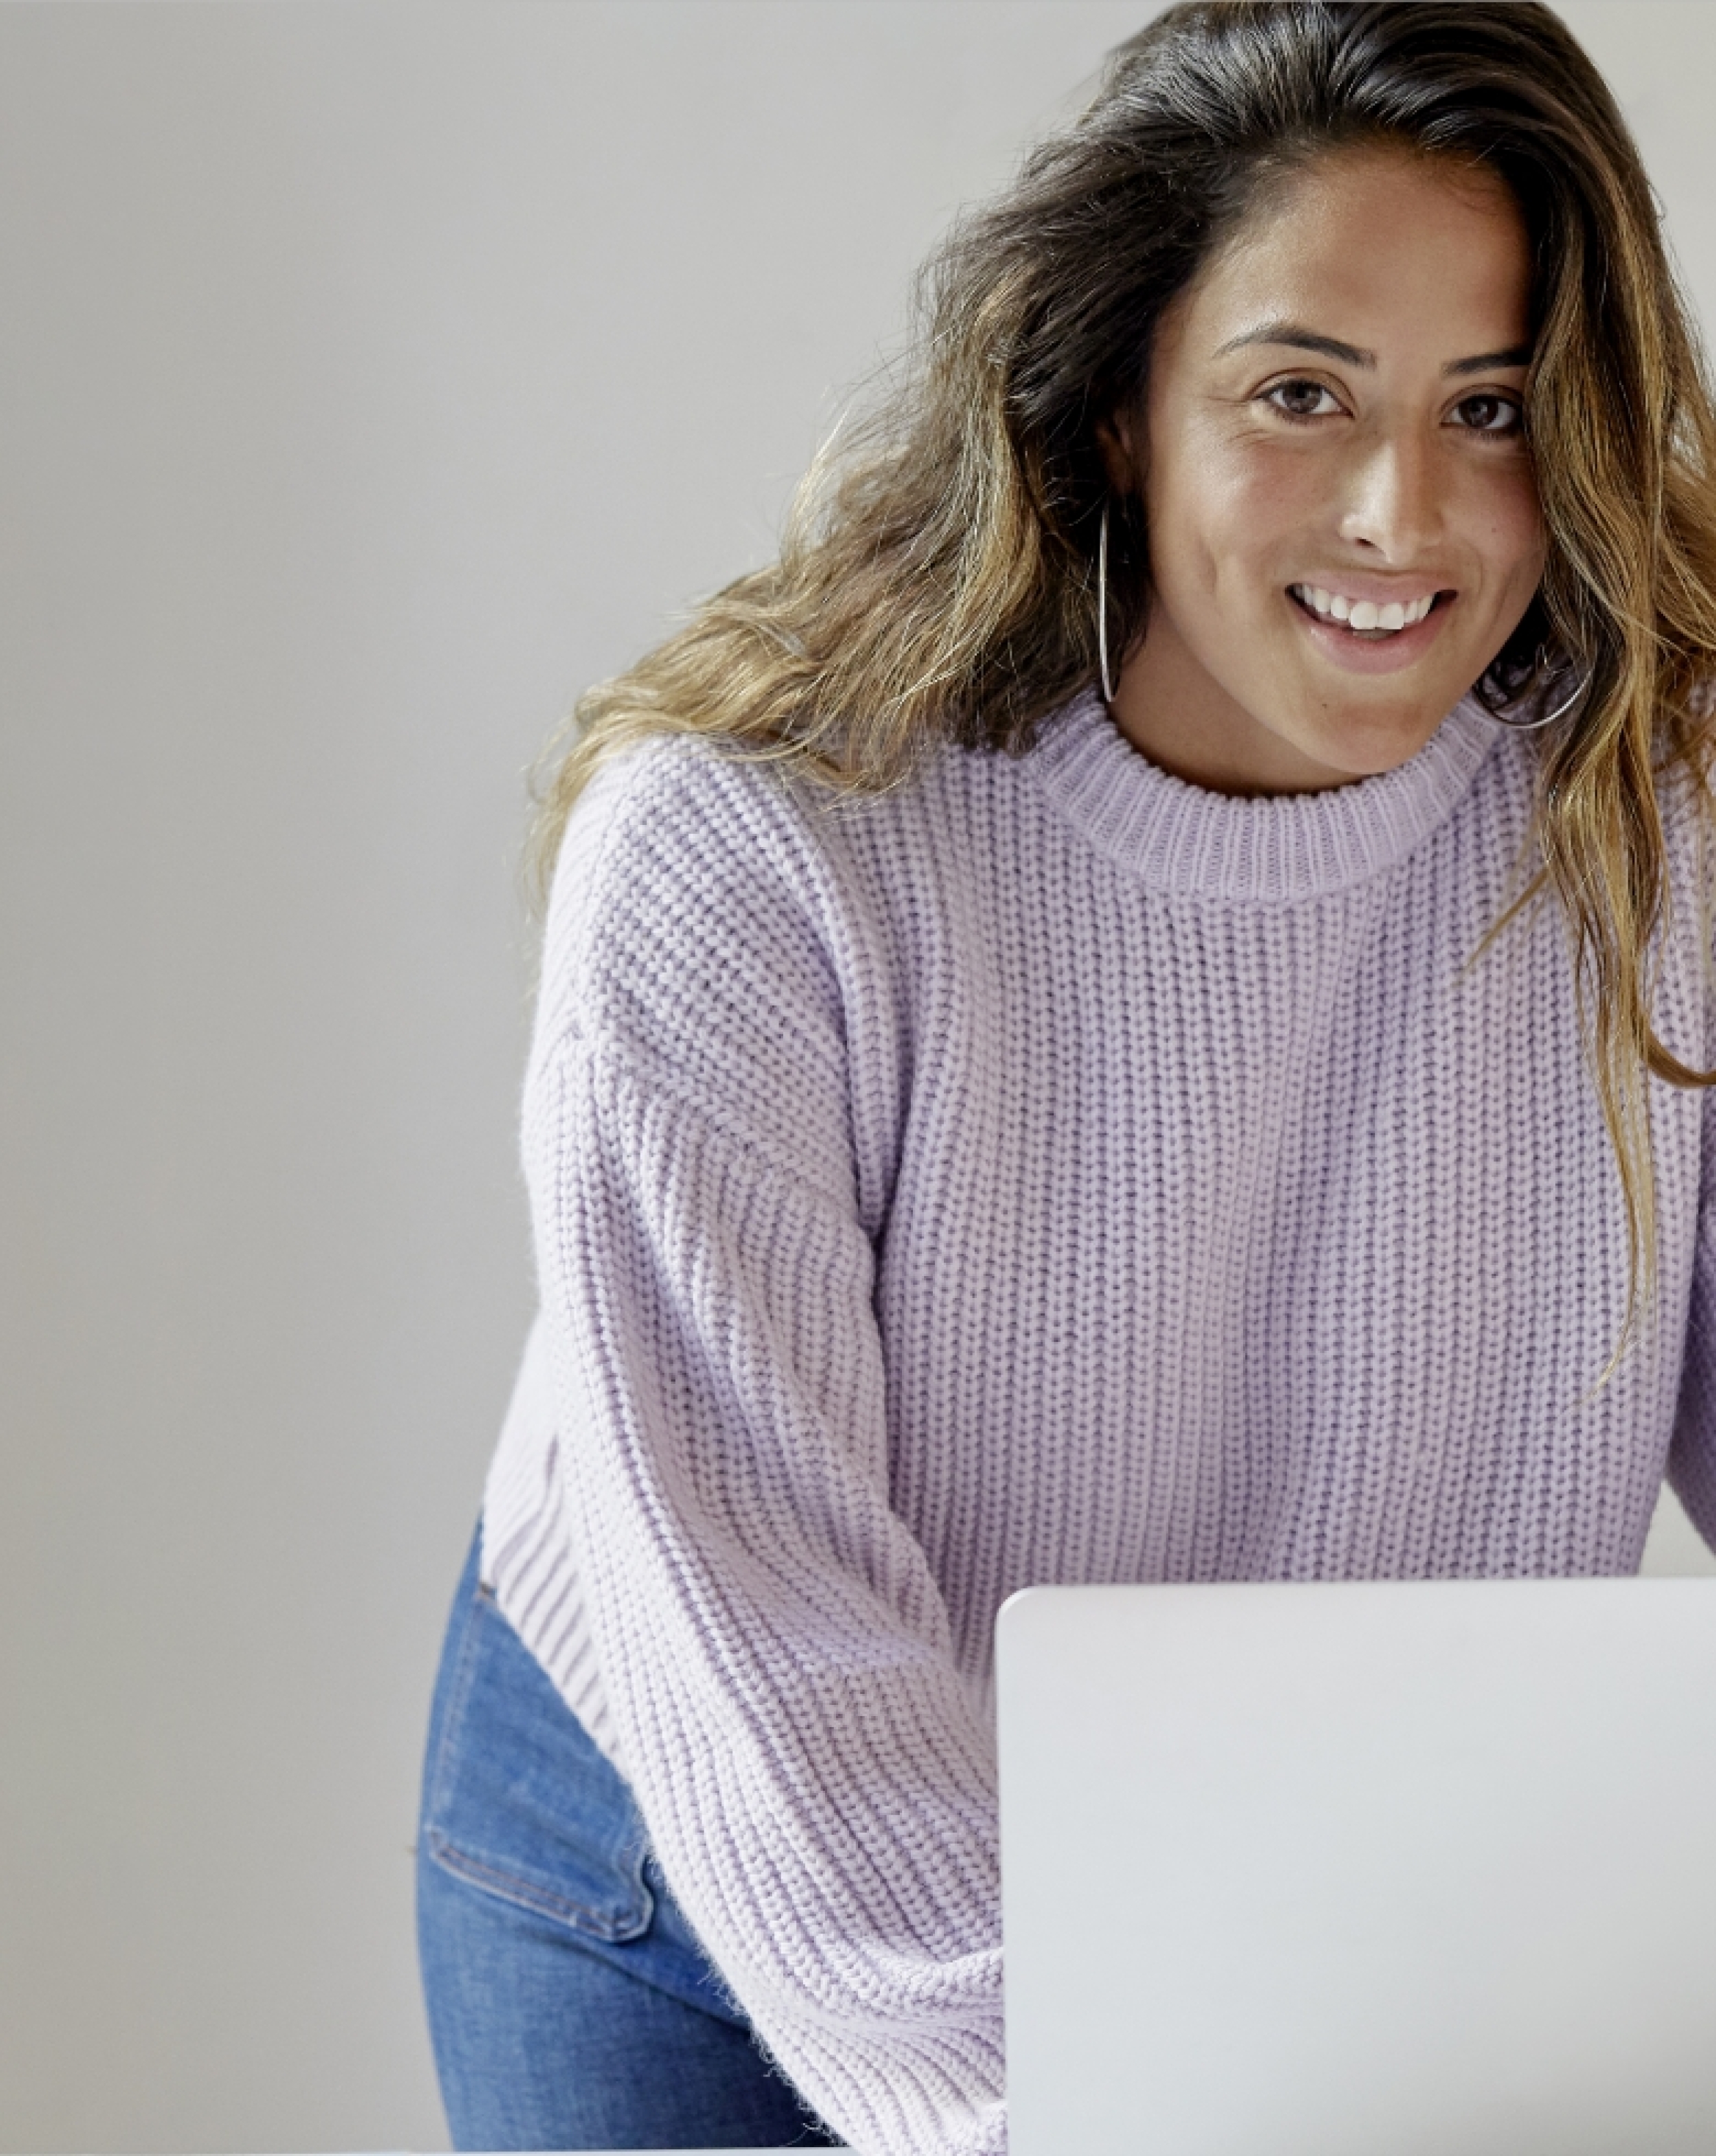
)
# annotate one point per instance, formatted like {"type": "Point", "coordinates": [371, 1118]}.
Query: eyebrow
{"type": "Point", "coordinates": [1516, 355]}
{"type": "Point", "coordinates": [1299, 339]}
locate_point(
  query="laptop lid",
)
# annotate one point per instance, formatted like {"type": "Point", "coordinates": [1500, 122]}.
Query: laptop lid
{"type": "Point", "coordinates": [1390, 1869]}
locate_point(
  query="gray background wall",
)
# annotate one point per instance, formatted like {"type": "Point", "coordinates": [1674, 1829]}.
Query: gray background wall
{"type": "Point", "coordinates": [371, 379]}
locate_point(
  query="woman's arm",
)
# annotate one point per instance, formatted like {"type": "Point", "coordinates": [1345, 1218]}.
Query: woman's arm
{"type": "Point", "coordinates": [817, 1776]}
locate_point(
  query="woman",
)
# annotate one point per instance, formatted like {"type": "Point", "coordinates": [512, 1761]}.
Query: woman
{"type": "Point", "coordinates": [1135, 1008]}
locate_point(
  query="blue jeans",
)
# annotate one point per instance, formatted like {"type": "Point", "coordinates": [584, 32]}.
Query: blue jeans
{"type": "Point", "coordinates": [569, 2004]}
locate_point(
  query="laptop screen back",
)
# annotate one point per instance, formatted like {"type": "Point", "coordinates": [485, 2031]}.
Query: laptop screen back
{"type": "Point", "coordinates": [1371, 1870]}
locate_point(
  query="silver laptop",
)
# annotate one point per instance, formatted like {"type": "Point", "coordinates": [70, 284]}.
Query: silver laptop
{"type": "Point", "coordinates": [1379, 1869]}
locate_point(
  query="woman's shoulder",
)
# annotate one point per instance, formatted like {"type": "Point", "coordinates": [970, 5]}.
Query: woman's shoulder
{"type": "Point", "coordinates": [688, 867]}
{"type": "Point", "coordinates": [699, 924]}
{"type": "Point", "coordinates": [680, 835]}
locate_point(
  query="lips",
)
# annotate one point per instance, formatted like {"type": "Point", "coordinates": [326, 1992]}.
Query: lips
{"type": "Point", "coordinates": [1364, 617]}
{"type": "Point", "coordinates": [1351, 647]}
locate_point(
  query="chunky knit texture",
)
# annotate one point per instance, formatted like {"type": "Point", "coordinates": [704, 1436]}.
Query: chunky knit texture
{"type": "Point", "coordinates": [1047, 1172]}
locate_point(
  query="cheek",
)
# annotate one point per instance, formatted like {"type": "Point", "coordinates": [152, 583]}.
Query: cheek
{"type": "Point", "coordinates": [1219, 507]}
{"type": "Point", "coordinates": [1509, 527]}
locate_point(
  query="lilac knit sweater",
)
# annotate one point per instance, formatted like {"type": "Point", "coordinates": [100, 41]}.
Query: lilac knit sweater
{"type": "Point", "coordinates": [1047, 1172]}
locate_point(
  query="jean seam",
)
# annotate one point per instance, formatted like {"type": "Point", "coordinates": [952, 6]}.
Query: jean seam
{"type": "Point", "coordinates": [525, 1894]}
{"type": "Point", "coordinates": [476, 1870]}
{"type": "Point", "coordinates": [458, 1693]}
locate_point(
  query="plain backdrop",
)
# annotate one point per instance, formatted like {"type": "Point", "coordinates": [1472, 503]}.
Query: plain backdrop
{"type": "Point", "coordinates": [372, 378]}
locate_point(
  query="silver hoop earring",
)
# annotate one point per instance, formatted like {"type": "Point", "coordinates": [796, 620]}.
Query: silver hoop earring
{"type": "Point", "coordinates": [1102, 606]}
{"type": "Point", "coordinates": [1549, 718]}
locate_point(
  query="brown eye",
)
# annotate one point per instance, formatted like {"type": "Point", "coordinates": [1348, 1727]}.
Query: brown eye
{"type": "Point", "coordinates": [1490, 415]}
{"type": "Point", "coordinates": [1302, 400]}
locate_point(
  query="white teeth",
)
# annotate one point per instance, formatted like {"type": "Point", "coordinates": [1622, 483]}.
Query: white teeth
{"type": "Point", "coordinates": [1365, 614]}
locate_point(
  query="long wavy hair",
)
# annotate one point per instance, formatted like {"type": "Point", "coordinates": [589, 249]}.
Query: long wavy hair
{"type": "Point", "coordinates": [936, 579]}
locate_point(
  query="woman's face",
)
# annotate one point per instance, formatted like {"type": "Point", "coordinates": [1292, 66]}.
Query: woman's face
{"type": "Point", "coordinates": [1344, 521]}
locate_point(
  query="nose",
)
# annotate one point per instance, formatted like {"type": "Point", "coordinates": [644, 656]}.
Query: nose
{"type": "Point", "coordinates": [1393, 504]}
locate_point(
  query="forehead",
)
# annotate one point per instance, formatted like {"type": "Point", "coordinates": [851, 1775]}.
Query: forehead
{"type": "Point", "coordinates": [1381, 248]}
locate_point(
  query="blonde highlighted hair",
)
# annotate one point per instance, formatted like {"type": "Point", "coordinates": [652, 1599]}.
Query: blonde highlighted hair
{"type": "Point", "coordinates": [936, 580]}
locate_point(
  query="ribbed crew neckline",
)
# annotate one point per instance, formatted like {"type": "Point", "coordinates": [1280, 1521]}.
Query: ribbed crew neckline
{"type": "Point", "coordinates": [1174, 836]}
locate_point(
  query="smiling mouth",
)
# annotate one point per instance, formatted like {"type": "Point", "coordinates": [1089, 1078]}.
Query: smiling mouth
{"type": "Point", "coordinates": [1369, 619]}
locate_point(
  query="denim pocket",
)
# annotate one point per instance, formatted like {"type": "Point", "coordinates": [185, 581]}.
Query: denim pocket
{"type": "Point", "coordinates": [518, 1801]}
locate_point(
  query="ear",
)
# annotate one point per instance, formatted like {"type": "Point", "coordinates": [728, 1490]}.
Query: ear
{"type": "Point", "coordinates": [1117, 438]}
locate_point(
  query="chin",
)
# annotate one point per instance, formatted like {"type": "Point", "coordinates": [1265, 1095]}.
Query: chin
{"type": "Point", "coordinates": [1365, 746]}
{"type": "Point", "coordinates": [1365, 751]}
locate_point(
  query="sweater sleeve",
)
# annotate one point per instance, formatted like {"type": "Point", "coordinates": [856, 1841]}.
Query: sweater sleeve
{"type": "Point", "coordinates": [816, 1775]}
